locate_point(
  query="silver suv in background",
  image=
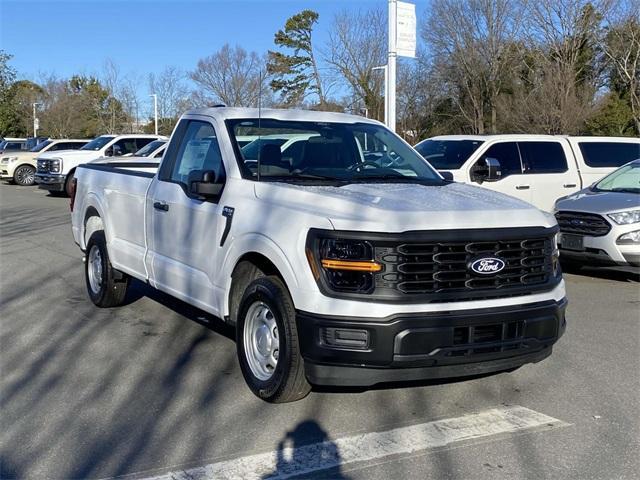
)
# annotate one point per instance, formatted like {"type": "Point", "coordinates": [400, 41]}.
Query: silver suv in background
{"type": "Point", "coordinates": [600, 225]}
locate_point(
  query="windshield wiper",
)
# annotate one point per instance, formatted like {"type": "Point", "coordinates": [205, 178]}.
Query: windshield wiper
{"type": "Point", "coordinates": [626, 190]}
{"type": "Point", "coordinates": [395, 178]}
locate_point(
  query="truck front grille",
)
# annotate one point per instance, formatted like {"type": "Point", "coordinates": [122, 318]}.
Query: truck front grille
{"type": "Point", "coordinates": [442, 269]}
{"type": "Point", "coordinates": [583, 223]}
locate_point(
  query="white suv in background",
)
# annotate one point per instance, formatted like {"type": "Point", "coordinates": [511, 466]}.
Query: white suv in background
{"type": "Point", "coordinates": [536, 168]}
{"type": "Point", "coordinates": [56, 170]}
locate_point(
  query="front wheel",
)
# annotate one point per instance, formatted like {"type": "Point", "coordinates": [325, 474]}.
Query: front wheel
{"type": "Point", "coordinates": [107, 287]}
{"type": "Point", "coordinates": [68, 184]}
{"type": "Point", "coordinates": [267, 342]}
{"type": "Point", "coordinates": [24, 175]}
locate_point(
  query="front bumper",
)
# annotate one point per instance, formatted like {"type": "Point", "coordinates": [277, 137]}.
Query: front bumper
{"type": "Point", "coordinates": [604, 251]}
{"type": "Point", "coordinates": [51, 181]}
{"type": "Point", "coordinates": [423, 346]}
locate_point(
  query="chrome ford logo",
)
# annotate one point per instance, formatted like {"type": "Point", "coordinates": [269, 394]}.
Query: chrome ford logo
{"type": "Point", "coordinates": [487, 265]}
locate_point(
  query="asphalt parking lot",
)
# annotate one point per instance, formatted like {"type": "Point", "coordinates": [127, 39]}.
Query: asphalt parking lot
{"type": "Point", "coordinates": [153, 388]}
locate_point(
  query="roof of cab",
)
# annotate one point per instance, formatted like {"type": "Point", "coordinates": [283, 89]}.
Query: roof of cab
{"type": "Point", "coordinates": [486, 138]}
{"type": "Point", "coordinates": [226, 113]}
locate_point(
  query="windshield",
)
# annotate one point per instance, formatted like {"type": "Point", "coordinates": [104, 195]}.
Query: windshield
{"type": "Point", "coordinates": [447, 154]}
{"type": "Point", "coordinates": [41, 145]}
{"type": "Point", "coordinates": [251, 150]}
{"type": "Point", "coordinates": [625, 179]}
{"type": "Point", "coordinates": [329, 152]}
{"type": "Point", "coordinates": [97, 143]}
{"type": "Point", "coordinates": [149, 148]}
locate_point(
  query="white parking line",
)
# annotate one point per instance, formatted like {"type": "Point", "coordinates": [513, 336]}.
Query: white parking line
{"type": "Point", "coordinates": [288, 461]}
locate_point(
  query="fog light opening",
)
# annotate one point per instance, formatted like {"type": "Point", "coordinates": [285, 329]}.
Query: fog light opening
{"type": "Point", "coordinates": [344, 338]}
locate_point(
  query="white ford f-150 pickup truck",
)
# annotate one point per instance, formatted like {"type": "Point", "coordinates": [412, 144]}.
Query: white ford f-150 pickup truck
{"type": "Point", "coordinates": [56, 170]}
{"type": "Point", "coordinates": [351, 262]}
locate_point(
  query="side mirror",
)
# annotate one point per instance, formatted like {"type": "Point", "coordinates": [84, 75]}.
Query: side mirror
{"type": "Point", "coordinates": [486, 170]}
{"type": "Point", "coordinates": [204, 184]}
{"type": "Point", "coordinates": [446, 175]}
{"type": "Point", "coordinates": [109, 152]}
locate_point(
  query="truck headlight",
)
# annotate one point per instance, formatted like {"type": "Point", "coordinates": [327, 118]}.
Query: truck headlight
{"type": "Point", "coordinates": [56, 165]}
{"type": "Point", "coordinates": [631, 238]}
{"type": "Point", "coordinates": [343, 265]}
{"type": "Point", "coordinates": [625, 218]}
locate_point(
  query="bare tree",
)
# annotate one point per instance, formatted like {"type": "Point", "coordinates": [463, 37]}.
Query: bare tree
{"type": "Point", "coordinates": [232, 76]}
{"type": "Point", "coordinates": [562, 73]}
{"type": "Point", "coordinates": [357, 44]}
{"type": "Point", "coordinates": [173, 97]}
{"type": "Point", "coordinates": [471, 43]}
{"type": "Point", "coordinates": [621, 47]}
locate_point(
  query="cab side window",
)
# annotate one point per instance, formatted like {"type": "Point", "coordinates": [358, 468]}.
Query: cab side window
{"type": "Point", "coordinates": [198, 151]}
{"type": "Point", "coordinates": [124, 146]}
{"type": "Point", "coordinates": [141, 142]}
{"type": "Point", "coordinates": [543, 157]}
{"type": "Point", "coordinates": [509, 157]}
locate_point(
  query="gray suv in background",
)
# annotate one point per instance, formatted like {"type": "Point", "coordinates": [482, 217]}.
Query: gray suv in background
{"type": "Point", "coordinates": [600, 225]}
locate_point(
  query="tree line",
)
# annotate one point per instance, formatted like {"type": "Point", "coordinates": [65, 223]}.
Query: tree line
{"type": "Point", "coordinates": [483, 66]}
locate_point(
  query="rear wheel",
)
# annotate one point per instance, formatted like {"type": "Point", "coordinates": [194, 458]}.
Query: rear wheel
{"type": "Point", "coordinates": [267, 342]}
{"type": "Point", "coordinates": [25, 175]}
{"type": "Point", "coordinates": [106, 286]}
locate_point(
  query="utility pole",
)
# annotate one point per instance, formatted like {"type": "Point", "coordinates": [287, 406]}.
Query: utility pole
{"type": "Point", "coordinates": [35, 121]}
{"type": "Point", "coordinates": [390, 97]}
{"type": "Point", "coordinates": [385, 68]}
{"type": "Point", "coordinates": [155, 110]}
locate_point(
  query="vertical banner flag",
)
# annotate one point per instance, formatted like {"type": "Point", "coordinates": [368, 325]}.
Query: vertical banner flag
{"type": "Point", "coordinates": [406, 30]}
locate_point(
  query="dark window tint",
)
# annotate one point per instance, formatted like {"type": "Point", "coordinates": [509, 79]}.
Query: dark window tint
{"type": "Point", "coordinates": [14, 146]}
{"type": "Point", "coordinates": [508, 156]}
{"type": "Point", "coordinates": [543, 157]}
{"type": "Point", "coordinates": [198, 151]}
{"type": "Point", "coordinates": [447, 154]}
{"type": "Point", "coordinates": [141, 142]}
{"type": "Point", "coordinates": [609, 154]}
{"type": "Point", "coordinates": [66, 146]}
{"type": "Point", "coordinates": [124, 146]}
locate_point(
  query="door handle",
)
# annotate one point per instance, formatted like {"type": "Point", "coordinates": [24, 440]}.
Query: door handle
{"type": "Point", "coordinates": [522, 187]}
{"type": "Point", "coordinates": [161, 206]}
{"type": "Point", "coordinates": [570, 185]}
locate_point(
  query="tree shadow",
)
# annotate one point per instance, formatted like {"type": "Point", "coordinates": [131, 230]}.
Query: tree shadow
{"type": "Point", "coordinates": [306, 452]}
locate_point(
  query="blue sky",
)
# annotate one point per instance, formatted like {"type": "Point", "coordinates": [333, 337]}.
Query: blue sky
{"type": "Point", "coordinates": [142, 36]}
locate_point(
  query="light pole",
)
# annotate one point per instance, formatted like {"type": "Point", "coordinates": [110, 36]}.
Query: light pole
{"type": "Point", "coordinates": [386, 91]}
{"type": "Point", "coordinates": [390, 97]}
{"type": "Point", "coordinates": [155, 110]}
{"type": "Point", "coordinates": [35, 120]}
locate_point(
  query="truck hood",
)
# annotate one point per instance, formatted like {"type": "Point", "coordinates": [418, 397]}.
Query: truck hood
{"type": "Point", "coordinates": [77, 155]}
{"type": "Point", "coordinates": [587, 200]}
{"type": "Point", "coordinates": [393, 207]}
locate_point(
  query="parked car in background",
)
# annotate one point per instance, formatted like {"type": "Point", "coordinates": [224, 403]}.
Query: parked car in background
{"type": "Point", "coordinates": [536, 168]}
{"type": "Point", "coordinates": [147, 159]}
{"type": "Point", "coordinates": [339, 267]}
{"type": "Point", "coordinates": [56, 169]}
{"type": "Point", "coordinates": [13, 145]}
{"type": "Point", "coordinates": [31, 142]}
{"type": "Point", "coordinates": [20, 166]}
{"type": "Point", "coordinates": [153, 149]}
{"type": "Point", "coordinates": [600, 225]}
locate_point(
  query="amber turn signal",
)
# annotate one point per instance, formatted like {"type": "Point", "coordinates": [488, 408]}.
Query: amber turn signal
{"type": "Point", "coordinates": [351, 265]}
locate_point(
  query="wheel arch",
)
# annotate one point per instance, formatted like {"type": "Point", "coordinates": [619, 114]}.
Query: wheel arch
{"type": "Point", "coordinates": [265, 256]}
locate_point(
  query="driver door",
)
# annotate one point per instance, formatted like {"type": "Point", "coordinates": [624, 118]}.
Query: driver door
{"type": "Point", "coordinates": [183, 240]}
{"type": "Point", "coordinates": [512, 179]}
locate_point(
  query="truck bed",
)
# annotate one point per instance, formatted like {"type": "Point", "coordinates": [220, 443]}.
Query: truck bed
{"type": "Point", "coordinates": [115, 189]}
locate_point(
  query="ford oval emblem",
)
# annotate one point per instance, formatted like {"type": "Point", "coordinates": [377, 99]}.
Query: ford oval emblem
{"type": "Point", "coordinates": [487, 265]}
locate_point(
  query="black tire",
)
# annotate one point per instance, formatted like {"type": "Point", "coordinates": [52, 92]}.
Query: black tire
{"type": "Point", "coordinates": [111, 285]}
{"type": "Point", "coordinates": [287, 383]}
{"type": "Point", "coordinates": [68, 182]}
{"type": "Point", "coordinates": [24, 175]}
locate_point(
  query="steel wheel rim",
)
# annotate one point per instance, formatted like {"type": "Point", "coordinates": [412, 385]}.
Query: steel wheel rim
{"type": "Point", "coordinates": [94, 269]}
{"type": "Point", "coordinates": [25, 175]}
{"type": "Point", "coordinates": [261, 340]}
